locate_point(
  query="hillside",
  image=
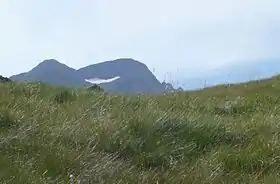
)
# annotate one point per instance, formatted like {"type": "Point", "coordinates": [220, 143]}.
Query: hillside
{"type": "Point", "coordinates": [134, 77]}
{"type": "Point", "coordinates": [226, 134]}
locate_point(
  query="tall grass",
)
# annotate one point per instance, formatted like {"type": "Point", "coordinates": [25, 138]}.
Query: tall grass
{"type": "Point", "coordinates": [217, 135]}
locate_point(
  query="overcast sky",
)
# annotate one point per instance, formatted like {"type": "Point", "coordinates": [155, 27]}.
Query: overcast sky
{"type": "Point", "coordinates": [181, 37]}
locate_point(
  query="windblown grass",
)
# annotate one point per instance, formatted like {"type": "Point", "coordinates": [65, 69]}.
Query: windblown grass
{"type": "Point", "coordinates": [226, 134]}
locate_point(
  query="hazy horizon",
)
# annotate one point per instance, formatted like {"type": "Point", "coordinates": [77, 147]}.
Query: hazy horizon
{"type": "Point", "coordinates": [177, 39]}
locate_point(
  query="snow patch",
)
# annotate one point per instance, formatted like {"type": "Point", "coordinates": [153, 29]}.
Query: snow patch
{"type": "Point", "coordinates": [101, 81]}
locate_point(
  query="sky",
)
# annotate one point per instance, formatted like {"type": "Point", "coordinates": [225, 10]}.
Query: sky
{"type": "Point", "coordinates": [175, 39]}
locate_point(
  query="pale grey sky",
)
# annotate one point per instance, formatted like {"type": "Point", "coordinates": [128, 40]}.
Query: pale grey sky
{"type": "Point", "coordinates": [182, 37]}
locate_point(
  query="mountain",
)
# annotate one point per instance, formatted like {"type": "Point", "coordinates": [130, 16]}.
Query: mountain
{"type": "Point", "coordinates": [235, 73]}
{"type": "Point", "coordinates": [134, 77]}
{"type": "Point", "coordinates": [53, 72]}
{"type": "Point", "coordinates": [130, 76]}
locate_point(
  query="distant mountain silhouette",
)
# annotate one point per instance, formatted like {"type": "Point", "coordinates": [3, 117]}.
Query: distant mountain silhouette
{"type": "Point", "coordinates": [169, 87]}
{"type": "Point", "coordinates": [235, 73]}
{"type": "Point", "coordinates": [132, 76]}
{"type": "Point", "coordinates": [53, 72]}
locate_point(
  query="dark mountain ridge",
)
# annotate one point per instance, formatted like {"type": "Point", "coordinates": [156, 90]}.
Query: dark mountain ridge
{"type": "Point", "coordinates": [134, 76]}
{"type": "Point", "coordinates": [53, 72]}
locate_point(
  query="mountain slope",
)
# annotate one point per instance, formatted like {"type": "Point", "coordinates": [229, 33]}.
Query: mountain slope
{"type": "Point", "coordinates": [52, 72]}
{"type": "Point", "coordinates": [134, 77]}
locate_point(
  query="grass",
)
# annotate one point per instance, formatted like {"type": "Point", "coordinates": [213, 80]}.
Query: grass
{"type": "Point", "coordinates": [225, 134]}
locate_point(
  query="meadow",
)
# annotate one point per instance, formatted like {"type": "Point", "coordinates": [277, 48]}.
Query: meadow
{"type": "Point", "coordinates": [223, 134]}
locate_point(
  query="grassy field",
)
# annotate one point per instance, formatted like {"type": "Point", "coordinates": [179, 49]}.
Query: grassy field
{"type": "Point", "coordinates": [226, 134]}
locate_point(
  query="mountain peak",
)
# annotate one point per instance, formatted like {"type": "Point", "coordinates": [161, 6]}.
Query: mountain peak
{"type": "Point", "coordinates": [51, 65]}
{"type": "Point", "coordinates": [126, 61]}
{"type": "Point", "coordinates": [49, 62]}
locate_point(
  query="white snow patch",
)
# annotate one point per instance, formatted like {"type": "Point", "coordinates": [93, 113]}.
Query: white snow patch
{"type": "Point", "coordinates": [101, 81]}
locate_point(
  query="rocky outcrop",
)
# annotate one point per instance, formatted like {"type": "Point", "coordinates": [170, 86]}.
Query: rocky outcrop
{"type": "Point", "coordinates": [4, 79]}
